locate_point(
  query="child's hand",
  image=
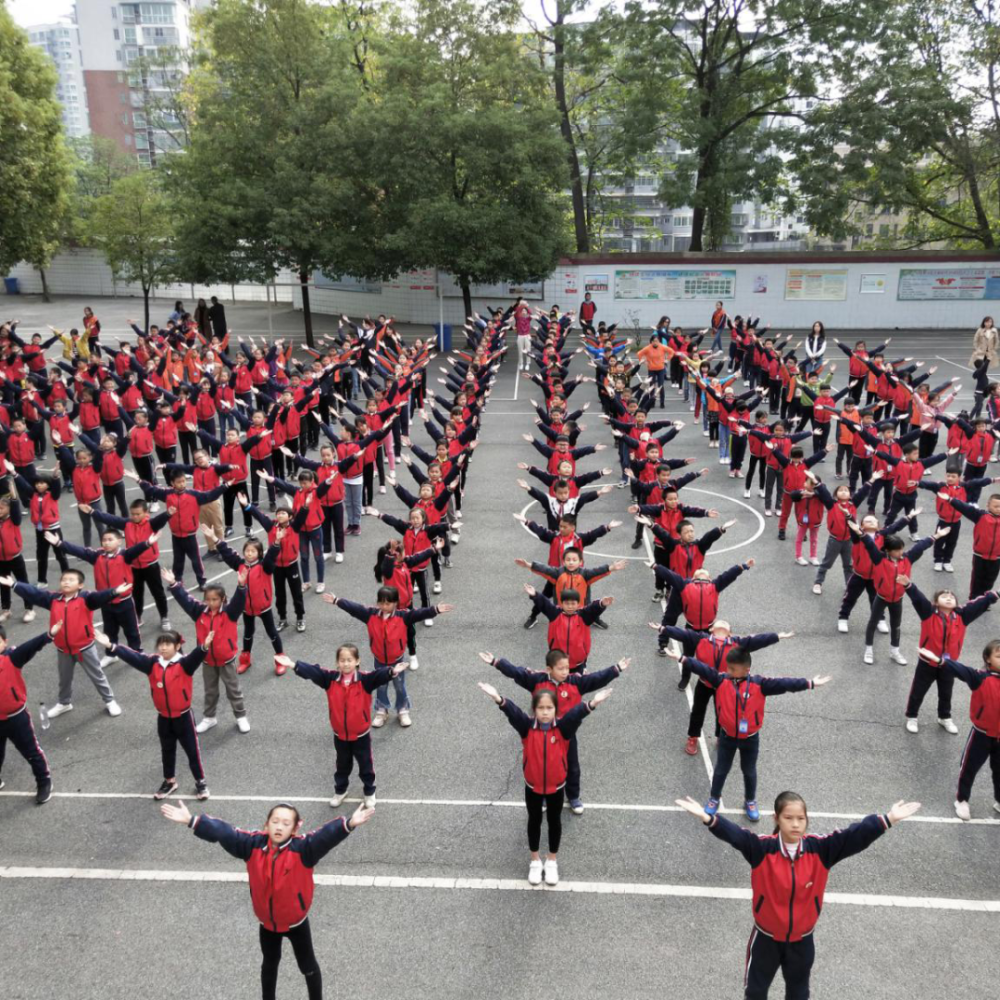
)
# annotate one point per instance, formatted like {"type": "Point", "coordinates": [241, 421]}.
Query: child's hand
{"type": "Point", "coordinates": [928, 655]}
{"type": "Point", "coordinates": [7, 581]}
{"type": "Point", "coordinates": [523, 563]}
{"type": "Point", "coordinates": [175, 813]}
{"type": "Point", "coordinates": [820, 681]}
{"type": "Point", "coordinates": [52, 538]}
{"type": "Point", "coordinates": [443, 609]}
{"type": "Point", "coordinates": [490, 690]}
{"type": "Point", "coordinates": [529, 590]}
{"type": "Point", "coordinates": [729, 524]}
{"type": "Point", "coordinates": [168, 577]}
{"type": "Point", "coordinates": [56, 629]}
{"type": "Point", "coordinates": [102, 639]}
{"type": "Point", "coordinates": [330, 598]}
{"type": "Point", "coordinates": [902, 810]}
{"type": "Point", "coordinates": [603, 695]}
{"type": "Point", "coordinates": [123, 588]}
{"type": "Point", "coordinates": [606, 602]}
{"type": "Point", "coordinates": [207, 644]}
{"type": "Point", "coordinates": [520, 517]}
{"type": "Point", "coordinates": [242, 500]}
{"type": "Point", "coordinates": [372, 512]}
{"type": "Point", "coordinates": [285, 661]}
{"type": "Point", "coordinates": [154, 538]}
{"type": "Point", "coordinates": [785, 635]}
{"type": "Point", "coordinates": [694, 807]}
{"type": "Point", "coordinates": [487, 658]}
{"type": "Point", "coordinates": [625, 663]}
{"type": "Point", "coordinates": [941, 532]}
{"type": "Point", "coordinates": [360, 816]}
{"type": "Point", "coordinates": [209, 532]}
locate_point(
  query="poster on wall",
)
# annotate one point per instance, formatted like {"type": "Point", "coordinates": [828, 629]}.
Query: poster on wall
{"type": "Point", "coordinates": [423, 279]}
{"type": "Point", "coordinates": [873, 284]}
{"type": "Point", "coordinates": [346, 283]}
{"type": "Point", "coordinates": [948, 283]}
{"type": "Point", "coordinates": [816, 284]}
{"type": "Point", "coordinates": [500, 291]}
{"type": "Point", "coordinates": [686, 284]}
{"type": "Point", "coordinates": [569, 283]}
{"type": "Point", "coordinates": [759, 284]}
{"type": "Point", "coordinates": [596, 284]}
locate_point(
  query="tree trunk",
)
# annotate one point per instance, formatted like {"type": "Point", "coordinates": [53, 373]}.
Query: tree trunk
{"type": "Point", "coordinates": [145, 306]}
{"type": "Point", "coordinates": [566, 128]}
{"type": "Point", "coordinates": [699, 207]}
{"type": "Point", "coordinates": [466, 294]}
{"type": "Point", "coordinates": [45, 286]}
{"type": "Point", "coordinates": [306, 310]}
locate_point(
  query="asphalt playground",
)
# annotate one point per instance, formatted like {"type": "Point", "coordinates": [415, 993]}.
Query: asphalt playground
{"type": "Point", "coordinates": [102, 899]}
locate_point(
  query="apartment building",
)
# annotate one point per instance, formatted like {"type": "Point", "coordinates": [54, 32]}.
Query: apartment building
{"type": "Point", "coordinates": [61, 41]}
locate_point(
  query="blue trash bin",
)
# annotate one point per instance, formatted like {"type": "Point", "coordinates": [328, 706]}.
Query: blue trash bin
{"type": "Point", "coordinates": [443, 334]}
{"type": "Point", "coordinates": [11, 286]}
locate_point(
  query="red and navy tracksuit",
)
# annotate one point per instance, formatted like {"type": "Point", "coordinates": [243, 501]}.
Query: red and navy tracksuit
{"type": "Point", "coordinates": [569, 632]}
{"type": "Point", "coordinates": [15, 719]}
{"type": "Point", "coordinates": [984, 738]}
{"type": "Point", "coordinates": [698, 599]}
{"type": "Point", "coordinates": [985, 547]}
{"type": "Point", "coordinates": [545, 764]}
{"type": "Point", "coordinates": [281, 889]}
{"type": "Point", "coordinates": [170, 684]}
{"type": "Point", "coordinates": [788, 897]}
{"type": "Point", "coordinates": [739, 703]}
{"type": "Point", "coordinates": [349, 699]}
{"type": "Point", "coordinates": [943, 633]}
{"type": "Point", "coordinates": [568, 695]}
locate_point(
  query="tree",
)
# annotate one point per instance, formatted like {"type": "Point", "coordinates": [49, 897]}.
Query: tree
{"type": "Point", "coordinates": [745, 68]}
{"type": "Point", "coordinates": [273, 175]}
{"type": "Point", "coordinates": [35, 175]}
{"type": "Point", "coordinates": [133, 225]}
{"type": "Point", "coordinates": [467, 146]}
{"type": "Point", "coordinates": [915, 132]}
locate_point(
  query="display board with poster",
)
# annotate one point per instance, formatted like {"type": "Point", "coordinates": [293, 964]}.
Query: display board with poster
{"type": "Point", "coordinates": [675, 284]}
{"type": "Point", "coordinates": [423, 279]}
{"type": "Point", "coordinates": [346, 283]}
{"type": "Point", "coordinates": [499, 291]}
{"type": "Point", "coordinates": [872, 284]}
{"type": "Point", "coordinates": [948, 283]}
{"type": "Point", "coordinates": [816, 284]}
{"type": "Point", "coordinates": [596, 284]}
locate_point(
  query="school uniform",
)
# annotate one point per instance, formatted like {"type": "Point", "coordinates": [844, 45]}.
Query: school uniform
{"type": "Point", "coordinates": [740, 704]}
{"type": "Point", "coordinates": [983, 742]}
{"type": "Point", "coordinates": [788, 884]}
{"type": "Point", "coordinates": [15, 719]}
{"type": "Point", "coordinates": [260, 595]}
{"type": "Point", "coordinates": [12, 553]}
{"type": "Point", "coordinates": [985, 547]}
{"type": "Point", "coordinates": [349, 700]}
{"type": "Point", "coordinates": [888, 591]}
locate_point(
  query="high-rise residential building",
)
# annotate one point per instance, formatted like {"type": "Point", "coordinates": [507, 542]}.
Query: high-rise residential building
{"type": "Point", "coordinates": [62, 43]}
{"type": "Point", "coordinates": [134, 58]}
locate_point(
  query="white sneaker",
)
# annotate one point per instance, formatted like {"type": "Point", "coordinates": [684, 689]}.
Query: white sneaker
{"type": "Point", "coordinates": [455, 538]}
{"type": "Point", "coordinates": [760, 493]}
{"type": "Point", "coordinates": [551, 870]}
{"type": "Point", "coordinates": [962, 811]}
{"type": "Point", "coordinates": [106, 661]}
{"type": "Point", "coordinates": [897, 657]}
{"type": "Point", "coordinates": [768, 512]}
{"type": "Point", "coordinates": [436, 589]}
{"type": "Point", "coordinates": [414, 663]}
{"type": "Point", "coordinates": [817, 588]}
{"type": "Point", "coordinates": [912, 726]}
{"type": "Point", "coordinates": [378, 720]}
{"type": "Point", "coordinates": [843, 625]}
{"type": "Point", "coordinates": [883, 627]}
{"type": "Point", "coordinates": [5, 614]}
{"type": "Point", "coordinates": [746, 494]}
{"type": "Point", "coordinates": [114, 709]}
{"type": "Point", "coordinates": [381, 489]}
{"type": "Point", "coordinates": [428, 623]}
{"type": "Point", "coordinates": [802, 561]}
{"type": "Point", "coordinates": [948, 568]}
{"type": "Point", "coordinates": [938, 567]}
{"type": "Point", "coordinates": [243, 724]}
{"type": "Point", "coordinates": [948, 725]}
{"type": "Point", "coordinates": [404, 718]}
{"type": "Point", "coordinates": [722, 461]}
{"type": "Point", "coordinates": [29, 615]}
{"type": "Point", "coordinates": [59, 709]}
{"type": "Point", "coordinates": [206, 724]}
{"type": "Point", "coordinates": [339, 557]}
{"type": "Point", "coordinates": [368, 802]}
{"type": "Point", "coordinates": [154, 507]}
{"type": "Point", "coordinates": [869, 656]}
{"type": "Point", "coordinates": [338, 797]}
{"type": "Point", "coordinates": [535, 872]}
{"type": "Point", "coordinates": [813, 561]}
{"type": "Point", "coordinates": [704, 433]}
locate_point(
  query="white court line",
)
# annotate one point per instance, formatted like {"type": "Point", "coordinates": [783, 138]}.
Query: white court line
{"type": "Point", "coordinates": [498, 885]}
{"type": "Point", "coordinates": [955, 363]}
{"type": "Point", "coordinates": [482, 804]}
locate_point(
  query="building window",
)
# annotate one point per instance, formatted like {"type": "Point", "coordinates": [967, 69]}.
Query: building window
{"type": "Point", "coordinates": [869, 229]}
{"type": "Point", "coordinates": [883, 229]}
{"type": "Point", "coordinates": [739, 219]}
{"type": "Point", "coordinates": [138, 120]}
{"type": "Point", "coordinates": [117, 34]}
{"type": "Point", "coordinates": [118, 54]}
{"type": "Point", "coordinates": [114, 13]}
{"type": "Point", "coordinates": [682, 221]}
{"type": "Point", "coordinates": [124, 119]}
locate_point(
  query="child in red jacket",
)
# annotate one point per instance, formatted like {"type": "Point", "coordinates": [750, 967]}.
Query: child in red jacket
{"type": "Point", "coordinates": [569, 689]}
{"type": "Point", "coordinates": [170, 680]}
{"type": "Point", "coordinates": [281, 894]}
{"type": "Point", "coordinates": [739, 701]}
{"type": "Point", "coordinates": [784, 918]}
{"type": "Point", "coordinates": [569, 623]}
{"type": "Point", "coordinates": [545, 739]}
{"type": "Point", "coordinates": [984, 713]}
{"type": "Point", "coordinates": [349, 699]}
